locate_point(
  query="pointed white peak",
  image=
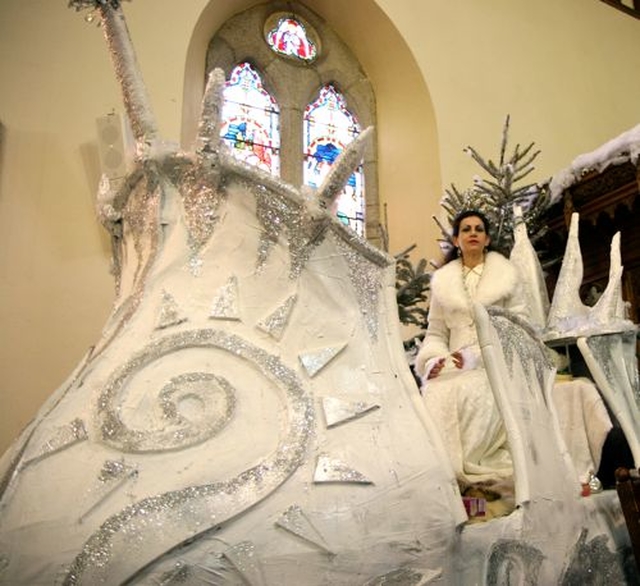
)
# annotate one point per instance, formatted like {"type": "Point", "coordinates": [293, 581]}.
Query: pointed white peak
{"type": "Point", "coordinates": [527, 263]}
{"type": "Point", "coordinates": [208, 139]}
{"type": "Point", "coordinates": [337, 411]}
{"type": "Point", "coordinates": [330, 469]}
{"type": "Point", "coordinates": [125, 64]}
{"type": "Point", "coordinates": [610, 308]}
{"type": "Point", "coordinates": [315, 360]}
{"type": "Point", "coordinates": [169, 313]}
{"type": "Point", "coordinates": [225, 303]}
{"type": "Point", "coordinates": [346, 163]}
{"type": "Point", "coordinates": [245, 560]}
{"type": "Point", "coordinates": [276, 322]}
{"type": "Point", "coordinates": [295, 521]}
{"type": "Point", "coordinates": [567, 311]}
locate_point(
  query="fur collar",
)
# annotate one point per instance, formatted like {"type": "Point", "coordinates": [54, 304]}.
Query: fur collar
{"type": "Point", "coordinates": [498, 280]}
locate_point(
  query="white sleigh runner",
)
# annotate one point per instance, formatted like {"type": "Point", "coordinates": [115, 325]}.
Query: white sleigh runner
{"type": "Point", "coordinates": [554, 536]}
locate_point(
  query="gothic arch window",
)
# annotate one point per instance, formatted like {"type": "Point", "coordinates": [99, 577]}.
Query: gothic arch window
{"type": "Point", "coordinates": [250, 119]}
{"type": "Point", "coordinates": [306, 70]}
{"type": "Point", "coordinates": [328, 128]}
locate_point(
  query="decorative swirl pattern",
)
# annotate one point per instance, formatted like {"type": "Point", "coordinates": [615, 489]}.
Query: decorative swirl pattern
{"type": "Point", "coordinates": [176, 427]}
{"type": "Point", "coordinates": [163, 522]}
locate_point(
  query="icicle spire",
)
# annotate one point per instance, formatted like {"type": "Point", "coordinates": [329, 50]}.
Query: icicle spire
{"type": "Point", "coordinates": [528, 266]}
{"type": "Point", "coordinates": [123, 56]}
{"type": "Point", "coordinates": [344, 165]}
{"type": "Point", "coordinates": [566, 306]}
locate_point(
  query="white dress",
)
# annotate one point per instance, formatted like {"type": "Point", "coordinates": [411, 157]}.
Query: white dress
{"type": "Point", "coordinates": [461, 402]}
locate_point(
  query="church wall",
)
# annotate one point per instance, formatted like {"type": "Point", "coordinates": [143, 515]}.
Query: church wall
{"type": "Point", "coordinates": [445, 74]}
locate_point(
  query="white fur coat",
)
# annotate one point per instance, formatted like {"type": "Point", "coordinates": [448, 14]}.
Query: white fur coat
{"type": "Point", "coordinates": [451, 323]}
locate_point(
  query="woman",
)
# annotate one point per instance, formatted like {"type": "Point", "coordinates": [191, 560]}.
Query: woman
{"type": "Point", "coordinates": [455, 387]}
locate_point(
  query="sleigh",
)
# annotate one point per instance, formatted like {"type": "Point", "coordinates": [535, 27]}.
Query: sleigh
{"type": "Point", "coordinates": [248, 417]}
{"type": "Point", "coordinates": [564, 526]}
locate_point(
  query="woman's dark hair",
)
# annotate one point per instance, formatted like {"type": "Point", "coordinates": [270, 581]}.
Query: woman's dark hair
{"type": "Point", "coordinates": [455, 229]}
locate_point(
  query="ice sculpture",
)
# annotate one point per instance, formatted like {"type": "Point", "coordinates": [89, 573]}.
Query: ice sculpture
{"type": "Point", "coordinates": [526, 261]}
{"type": "Point", "coordinates": [568, 315]}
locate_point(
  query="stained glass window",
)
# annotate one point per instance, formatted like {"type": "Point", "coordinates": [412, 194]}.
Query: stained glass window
{"type": "Point", "coordinates": [290, 38]}
{"type": "Point", "coordinates": [250, 120]}
{"type": "Point", "coordinates": [328, 128]}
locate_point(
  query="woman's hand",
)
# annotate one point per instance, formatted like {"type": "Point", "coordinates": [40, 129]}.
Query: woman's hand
{"type": "Point", "coordinates": [434, 371]}
{"type": "Point", "coordinates": [458, 359]}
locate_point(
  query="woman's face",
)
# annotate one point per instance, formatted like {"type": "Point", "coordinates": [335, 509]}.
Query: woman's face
{"type": "Point", "coordinates": [472, 238]}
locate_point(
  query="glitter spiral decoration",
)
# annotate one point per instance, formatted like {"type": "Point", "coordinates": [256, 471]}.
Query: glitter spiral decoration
{"type": "Point", "coordinates": [164, 521]}
{"type": "Point", "coordinates": [212, 397]}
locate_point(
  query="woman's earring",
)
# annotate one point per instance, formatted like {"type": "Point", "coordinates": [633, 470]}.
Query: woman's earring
{"type": "Point", "coordinates": [458, 250]}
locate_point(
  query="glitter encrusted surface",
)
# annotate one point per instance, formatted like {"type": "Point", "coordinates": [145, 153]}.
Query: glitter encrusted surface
{"type": "Point", "coordinates": [337, 411]}
{"type": "Point", "coordinates": [61, 439]}
{"type": "Point", "coordinates": [225, 304]}
{"type": "Point", "coordinates": [170, 517]}
{"type": "Point", "coordinates": [329, 469]}
{"type": "Point", "coordinates": [169, 313]}
{"type": "Point", "coordinates": [366, 278]}
{"type": "Point", "coordinates": [276, 322]}
{"type": "Point", "coordinates": [519, 341]}
{"type": "Point", "coordinates": [245, 559]}
{"type": "Point", "coordinates": [315, 360]}
{"type": "Point", "coordinates": [297, 522]}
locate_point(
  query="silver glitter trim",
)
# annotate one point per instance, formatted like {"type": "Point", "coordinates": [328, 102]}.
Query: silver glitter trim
{"type": "Point", "coordinates": [295, 521]}
{"type": "Point", "coordinates": [315, 360]}
{"type": "Point", "coordinates": [142, 193]}
{"type": "Point", "coordinates": [592, 562]}
{"type": "Point", "coordinates": [169, 314]}
{"type": "Point", "coordinates": [366, 278]}
{"type": "Point", "coordinates": [215, 395]}
{"type": "Point", "coordinates": [337, 411]}
{"type": "Point", "coordinates": [225, 303]}
{"type": "Point", "coordinates": [202, 196]}
{"type": "Point", "coordinates": [125, 63]}
{"type": "Point", "coordinates": [165, 520]}
{"type": "Point", "coordinates": [330, 469]}
{"type": "Point", "coordinates": [277, 212]}
{"type": "Point", "coordinates": [244, 558]}
{"type": "Point", "coordinates": [515, 559]}
{"type": "Point", "coordinates": [519, 339]}
{"type": "Point", "coordinates": [276, 322]}
{"type": "Point", "coordinates": [62, 438]}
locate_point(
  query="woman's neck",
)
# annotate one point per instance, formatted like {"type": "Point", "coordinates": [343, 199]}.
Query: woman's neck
{"type": "Point", "coordinates": [471, 261]}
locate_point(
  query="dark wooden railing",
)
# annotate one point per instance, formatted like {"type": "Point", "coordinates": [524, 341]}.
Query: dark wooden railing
{"type": "Point", "coordinates": [631, 7]}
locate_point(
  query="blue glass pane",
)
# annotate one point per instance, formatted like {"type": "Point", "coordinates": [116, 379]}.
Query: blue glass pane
{"type": "Point", "coordinates": [250, 120]}
{"type": "Point", "coordinates": [328, 128]}
{"type": "Point", "coordinates": [289, 37]}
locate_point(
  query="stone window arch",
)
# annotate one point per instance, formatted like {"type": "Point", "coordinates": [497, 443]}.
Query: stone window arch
{"type": "Point", "coordinates": [295, 83]}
